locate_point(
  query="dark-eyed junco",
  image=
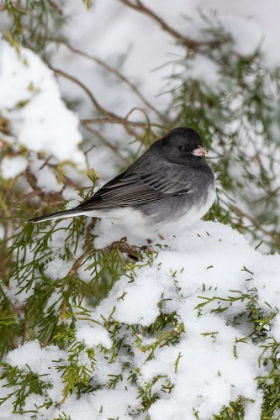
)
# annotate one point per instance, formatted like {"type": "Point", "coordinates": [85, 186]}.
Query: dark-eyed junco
{"type": "Point", "coordinates": [169, 187]}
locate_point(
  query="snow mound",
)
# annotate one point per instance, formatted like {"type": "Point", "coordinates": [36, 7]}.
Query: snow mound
{"type": "Point", "coordinates": [180, 335]}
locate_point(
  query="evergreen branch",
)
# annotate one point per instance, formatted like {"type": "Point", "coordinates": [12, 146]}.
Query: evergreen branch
{"type": "Point", "coordinates": [26, 382]}
{"type": "Point", "coordinates": [275, 236]}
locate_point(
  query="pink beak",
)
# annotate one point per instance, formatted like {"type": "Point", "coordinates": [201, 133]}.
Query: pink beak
{"type": "Point", "coordinates": [200, 151]}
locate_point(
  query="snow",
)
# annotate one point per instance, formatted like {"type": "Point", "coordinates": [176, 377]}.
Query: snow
{"type": "Point", "coordinates": [257, 15]}
{"type": "Point", "coordinates": [215, 359]}
{"type": "Point", "coordinates": [147, 295]}
{"type": "Point", "coordinates": [41, 361]}
{"type": "Point", "coordinates": [207, 267]}
{"type": "Point", "coordinates": [45, 178]}
{"type": "Point", "coordinates": [276, 327]}
{"type": "Point", "coordinates": [13, 166]}
{"type": "Point", "coordinates": [56, 267]}
{"type": "Point", "coordinates": [247, 35]}
{"type": "Point", "coordinates": [31, 101]}
{"type": "Point", "coordinates": [94, 336]}
{"type": "Point", "coordinates": [205, 70]}
{"type": "Point", "coordinates": [104, 405]}
{"type": "Point", "coordinates": [111, 29]}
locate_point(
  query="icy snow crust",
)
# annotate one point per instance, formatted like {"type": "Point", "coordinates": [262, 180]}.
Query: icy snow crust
{"type": "Point", "coordinates": [215, 360]}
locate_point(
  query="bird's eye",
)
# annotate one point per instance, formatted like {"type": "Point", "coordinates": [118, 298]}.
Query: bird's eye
{"type": "Point", "coordinates": [181, 148]}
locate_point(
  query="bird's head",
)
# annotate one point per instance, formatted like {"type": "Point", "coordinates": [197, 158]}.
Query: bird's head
{"type": "Point", "coordinates": [182, 145]}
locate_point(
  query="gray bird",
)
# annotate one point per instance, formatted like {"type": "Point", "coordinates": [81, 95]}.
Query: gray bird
{"type": "Point", "coordinates": [169, 187]}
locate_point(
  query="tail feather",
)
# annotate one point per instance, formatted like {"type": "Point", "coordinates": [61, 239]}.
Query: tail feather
{"type": "Point", "coordinates": [58, 215]}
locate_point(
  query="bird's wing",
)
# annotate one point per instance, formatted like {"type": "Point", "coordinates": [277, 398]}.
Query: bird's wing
{"type": "Point", "coordinates": [138, 188]}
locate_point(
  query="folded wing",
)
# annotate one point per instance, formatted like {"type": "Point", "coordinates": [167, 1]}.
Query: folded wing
{"type": "Point", "coordinates": [138, 188]}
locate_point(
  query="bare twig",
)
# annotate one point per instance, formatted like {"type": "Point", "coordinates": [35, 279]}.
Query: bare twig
{"type": "Point", "coordinates": [119, 75]}
{"type": "Point", "coordinates": [107, 144]}
{"type": "Point", "coordinates": [61, 40]}
{"type": "Point", "coordinates": [113, 121]}
{"type": "Point", "coordinates": [132, 251]}
{"type": "Point", "coordinates": [96, 104]}
{"type": "Point", "coordinates": [100, 109]}
{"type": "Point", "coordinates": [55, 6]}
{"type": "Point", "coordinates": [190, 43]}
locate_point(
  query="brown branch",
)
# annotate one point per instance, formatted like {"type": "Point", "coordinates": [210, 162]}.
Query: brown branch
{"type": "Point", "coordinates": [96, 104]}
{"type": "Point", "coordinates": [190, 43]}
{"type": "Point", "coordinates": [122, 246]}
{"type": "Point", "coordinates": [143, 112]}
{"type": "Point", "coordinates": [113, 121]}
{"type": "Point", "coordinates": [77, 264]}
{"type": "Point", "coordinates": [32, 180]}
{"type": "Point", "coordinates": [107, 144]}
{"type": "Point", "coordinates": [133, 132]}
{"type": "Point", "coordinates": [100, 109]}
{"type": "Point", "coordinates": [132, 251]}
{"type": "Point", "coordinates": [119, 75]}
{"type": "Point", "coordinates": [63, 312]}
{"type": "Point", "coordinates": [56, 197]}
{"type": "Point", "coordinates": [55, 6]}
{"type": "Point", "coordinates": [133, 87]}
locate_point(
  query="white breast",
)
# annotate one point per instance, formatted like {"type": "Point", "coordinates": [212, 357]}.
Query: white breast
{"type": "Point", "coordinates": [136, 223]}
{"type": "Point", "coordinates": [193, 215]}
